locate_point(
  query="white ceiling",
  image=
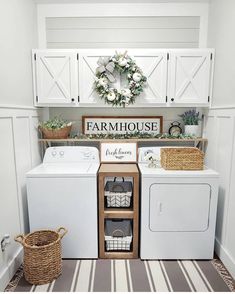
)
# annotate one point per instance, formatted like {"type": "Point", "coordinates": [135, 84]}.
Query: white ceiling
{"type": "Point", "coordinates": [119, 1]}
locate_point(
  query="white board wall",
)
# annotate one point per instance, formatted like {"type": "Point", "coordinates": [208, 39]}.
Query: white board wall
{"type": "Point", "coordinates": [19, 152]}
{"type": "Point", "coordinates": [220, 125]}
{"type": "Point", "coordinates": [123, 32]}
{"type": "Point", "coordinates": [19, 149]}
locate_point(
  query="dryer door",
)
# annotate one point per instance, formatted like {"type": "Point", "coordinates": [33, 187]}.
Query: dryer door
{"type": "Point", "coordinates": [179, 207]}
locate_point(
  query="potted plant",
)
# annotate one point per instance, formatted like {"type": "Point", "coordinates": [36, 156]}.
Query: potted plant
{"type": "Point", "coordinates": [191, 123]}
{"type": "Point", "coordinates": [55, 128]}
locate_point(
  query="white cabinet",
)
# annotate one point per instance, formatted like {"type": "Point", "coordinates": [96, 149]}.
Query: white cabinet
{"type": "Point", "coordinates": [152, 62]}
{"type": "Point", "coordinates": [190, 73]}
{"type": "Point", "coordinates": [175, 77]}
{"type": "Point", "coordinates": [55, 77]}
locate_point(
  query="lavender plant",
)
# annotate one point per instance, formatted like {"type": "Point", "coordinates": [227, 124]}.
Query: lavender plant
{"type": "Point", "coordinates": [190, 117]}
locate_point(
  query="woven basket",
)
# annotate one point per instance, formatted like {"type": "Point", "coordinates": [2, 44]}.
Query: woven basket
{"type": "Point", "coordinates": [56, 134]}
{"type": "Point", "coordinates": [42, 255]}
{"type": "Point", "coordinates": [182, 159]}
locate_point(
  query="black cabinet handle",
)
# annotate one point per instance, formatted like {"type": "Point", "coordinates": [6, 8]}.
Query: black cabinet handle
{"type": "Point", "coordinates": [172, 99]}
{"type": "Point", "coordinates": [72, 99]}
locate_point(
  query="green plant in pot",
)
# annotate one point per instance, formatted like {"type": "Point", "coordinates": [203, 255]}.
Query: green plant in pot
{"type": "Point", "coordinates": [55, 128]}
{"type": "Point", "coordinates": [191, 120]}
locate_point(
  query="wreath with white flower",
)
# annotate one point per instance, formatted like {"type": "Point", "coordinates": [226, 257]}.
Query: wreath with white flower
{"type": "Point", "coordinates": [122, 64]}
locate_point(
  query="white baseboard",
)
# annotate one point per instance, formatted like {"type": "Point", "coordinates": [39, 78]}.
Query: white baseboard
{"type": "Point", "coordinates": [225, 257]}
{"type": "Point", "coordinates": [7, 274]}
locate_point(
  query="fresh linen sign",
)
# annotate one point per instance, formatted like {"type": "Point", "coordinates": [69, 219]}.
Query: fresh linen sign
{"type": "Point", "coordinates": [118, 152]}
{"type": "Point", "coordinates": [94, 125]}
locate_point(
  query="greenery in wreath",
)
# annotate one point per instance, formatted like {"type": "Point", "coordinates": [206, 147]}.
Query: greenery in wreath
{"type": "Point", "coordinates": [123, 64]}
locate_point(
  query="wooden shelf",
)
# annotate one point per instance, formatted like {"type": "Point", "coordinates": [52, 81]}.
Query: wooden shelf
{"type": "Point", "coordinates": [119, 254]}
{"type": "Point", "coordinates": [200, 143]}
{"type": "Point", "coordinates": [122, 140]}
{"type": "Point", "coordinates": [118, 213]}
{"type": "Point", "coordinates": [112, 170]}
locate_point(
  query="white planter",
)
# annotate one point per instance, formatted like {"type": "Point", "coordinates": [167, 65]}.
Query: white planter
{"type": "Point", "coordinates": [193, 130]}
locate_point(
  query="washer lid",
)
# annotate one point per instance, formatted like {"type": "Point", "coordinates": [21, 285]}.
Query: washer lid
{"type": "Point", "coordinates": [63, 170]}
{"type": "Point", "coordinates": [160, 172]}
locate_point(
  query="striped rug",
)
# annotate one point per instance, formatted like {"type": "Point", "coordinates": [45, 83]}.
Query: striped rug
{"type": "Point", "coordinates": [134, 275]}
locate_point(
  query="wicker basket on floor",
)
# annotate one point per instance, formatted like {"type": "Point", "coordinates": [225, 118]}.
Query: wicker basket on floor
{"type": "Point", "coordinates": [55, 134]}
{"type": "Point", "coordinates": [42, 255]}
{"type": "Point", "coordinates": [182, 159]}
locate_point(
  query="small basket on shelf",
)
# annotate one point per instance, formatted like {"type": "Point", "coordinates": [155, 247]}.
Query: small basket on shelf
{"type": "Point", "coordinates": [42, 255]}
{"type": "Point", "coordinates": [118, 235]}
{"type": "Point", "coordinates": [118, 194]}
{"type": "Point", "coordinates": [62, 133]}
{"type": "Point", "coordinates": [55, 128]}
{"type": "Point", "coordinates": [182, 159]}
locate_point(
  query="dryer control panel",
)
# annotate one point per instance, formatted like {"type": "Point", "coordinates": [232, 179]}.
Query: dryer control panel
{"type": "Point", "coordinates": [71, 154]}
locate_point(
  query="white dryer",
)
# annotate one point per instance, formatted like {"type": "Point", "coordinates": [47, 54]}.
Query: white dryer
{"type": "Point", "coordinates": [62, 191]}
{"type": "Point", "coordinates": [178, 211]}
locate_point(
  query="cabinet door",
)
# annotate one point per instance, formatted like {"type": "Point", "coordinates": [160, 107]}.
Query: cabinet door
{"type": "Point", "coordinates": [190, 76]}
{"type": "Point", "coordinates": [56, 79]}
{"type": "Point", "coordinates": [152, 62]}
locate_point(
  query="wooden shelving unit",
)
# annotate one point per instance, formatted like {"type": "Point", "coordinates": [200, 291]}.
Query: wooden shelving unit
{"type": "Point", "coordinates": [119, 170]}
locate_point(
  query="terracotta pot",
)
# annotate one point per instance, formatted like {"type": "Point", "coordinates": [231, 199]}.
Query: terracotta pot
{"type": "Point", "coordinates": [56, 134]}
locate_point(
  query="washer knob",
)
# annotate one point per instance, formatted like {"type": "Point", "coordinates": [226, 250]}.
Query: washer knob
{"type": "Point", "coordinates": [61, 153]}
{"type": "Point", "coordinates": [53, 153]}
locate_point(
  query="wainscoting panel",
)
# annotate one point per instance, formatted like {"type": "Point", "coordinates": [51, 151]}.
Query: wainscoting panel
{"type": "Point", "coordinates": [220, 131]}
{"type": "Point", "coordinates": [19, 152]}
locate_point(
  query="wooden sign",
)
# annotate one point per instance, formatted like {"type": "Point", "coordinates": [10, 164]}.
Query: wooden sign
{"type": "Point", "coordinates": [93, 125]}
{"type": "Point", "coordinates": [118, 152]}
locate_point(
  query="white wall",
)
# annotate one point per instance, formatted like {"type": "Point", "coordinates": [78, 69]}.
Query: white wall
{"type": "Point", "coordinates": [18, 36]}
{"type": "Point", "coordinates": [220, 125]}
{"type": "Point", "coordinates": [221, 36]}
{"type": "Point", "coordinates": [19, 150]}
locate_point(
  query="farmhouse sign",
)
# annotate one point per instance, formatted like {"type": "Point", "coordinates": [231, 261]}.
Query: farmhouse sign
{"type": "Point", "coordinates": [93, 125]}
{"type": "Point", "coordinates": [118, 152]}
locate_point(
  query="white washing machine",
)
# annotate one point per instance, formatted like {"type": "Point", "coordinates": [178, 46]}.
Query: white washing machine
{"type": "Point", "coordinates": [62, 191]}
{"type": "Point", "coordinates": [178, 211]}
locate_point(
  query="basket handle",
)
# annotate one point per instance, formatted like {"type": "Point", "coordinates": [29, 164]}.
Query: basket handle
{"type": "Point", "coordinates": [20, 239]}
{"type": "Point", "coordinates": [64, 233]}
{"type": "Point", "coordinates": [116, 178]}
{"type": "Point", "coordinates": [118, 230]}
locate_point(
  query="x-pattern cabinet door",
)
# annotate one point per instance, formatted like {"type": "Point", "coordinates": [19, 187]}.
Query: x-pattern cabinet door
{"type": "Point", "coordinates": [153, 63]}
{"type": "Point", "coordinates": [56, 77]}
{"type": "Point", "coordinates": [190, 76]}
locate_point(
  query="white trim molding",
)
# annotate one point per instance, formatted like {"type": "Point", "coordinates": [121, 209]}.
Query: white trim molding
{"type": "Point", "coordinates": [122, 10]}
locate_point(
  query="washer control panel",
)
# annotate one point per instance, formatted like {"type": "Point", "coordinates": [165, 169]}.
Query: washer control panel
{"type": "Point", "coordinates": [71, 154]}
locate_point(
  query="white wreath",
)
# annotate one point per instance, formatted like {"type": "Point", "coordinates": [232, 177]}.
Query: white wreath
{"type": "Point", "coordinates": [123, 64]}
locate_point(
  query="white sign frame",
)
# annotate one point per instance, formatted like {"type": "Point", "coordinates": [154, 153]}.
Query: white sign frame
{"type": "Point", "coordinates": [114, 152]}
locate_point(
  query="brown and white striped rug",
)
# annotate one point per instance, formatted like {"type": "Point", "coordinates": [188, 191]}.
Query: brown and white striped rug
{"type": "Point", "coordinates": [134, 275]}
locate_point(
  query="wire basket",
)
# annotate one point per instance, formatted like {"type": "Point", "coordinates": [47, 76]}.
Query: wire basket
{"type": "Point", "coordinates": [118, 194]}
{"type": "Point", "coordinates": [118, 235]}
{"type": "Point", "coordinates": [182, 159]}
{"type": "Point", "coordinates": [42, 255]}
